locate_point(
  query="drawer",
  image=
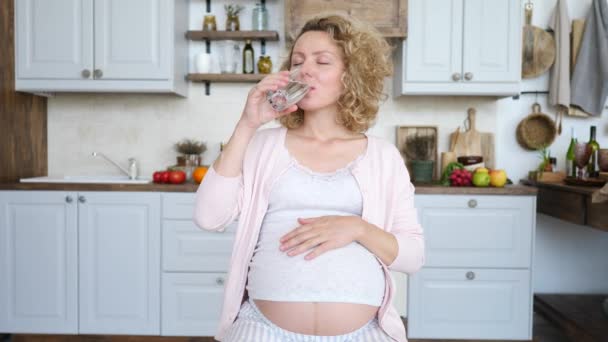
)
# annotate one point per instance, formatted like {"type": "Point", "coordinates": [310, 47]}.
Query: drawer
{"type": "Point", "coordinates": [477, 231]}
{"type": "Point", "coordinates": [191, 303]}
{"type": "Point", "coordinates": [187, 248]}
{"type": "Point", "coordinates": [470, 304]}
{"type": "Point", "coordinates": [178, 205]}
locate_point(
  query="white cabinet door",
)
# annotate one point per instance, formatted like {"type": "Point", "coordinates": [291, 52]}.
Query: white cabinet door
{"type": "Point", "coordinates": [477, 230]}
{"type": "Point", "coordinates": [38, 262]}
{"type": "Point", "coordinates": [54, 39]}
{"type": "Point", "coordinates": [119, 273]}
{"type": "Point", "coordinates": [434, 47]}
{"type": "Point", "coordinates": [491, 48]}
{"type": "Point", "coordinates": [471, 303]}
{"type": "Point", "coordinates": [192, 303]}
{"type": "Point", "coordinates": [132, 39]}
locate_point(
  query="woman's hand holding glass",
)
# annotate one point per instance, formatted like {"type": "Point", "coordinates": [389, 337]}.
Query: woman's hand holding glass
{"type": "Point", "coordinates": [258, 110]}
{"type": "Point", "coordinates": [323, 234]}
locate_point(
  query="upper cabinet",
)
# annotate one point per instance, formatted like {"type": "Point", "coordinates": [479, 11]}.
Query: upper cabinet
{"type": "Point", "coordinates": [101, 46]}
{"type": "Point", "coordinates": [460, 47]}
{"type": "Point", "coordinates": [388, 16]}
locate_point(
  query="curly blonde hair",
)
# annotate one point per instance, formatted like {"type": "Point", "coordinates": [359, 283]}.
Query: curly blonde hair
{"type": "Point", "coordinates": [367, 61]}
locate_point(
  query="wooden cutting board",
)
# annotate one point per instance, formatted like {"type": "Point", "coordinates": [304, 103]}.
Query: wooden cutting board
{"type": "Point", "coordinates": [474, 143]}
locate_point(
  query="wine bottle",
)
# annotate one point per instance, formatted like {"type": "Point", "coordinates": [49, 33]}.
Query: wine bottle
{"type": "Point", "coordinates": [248, 58]}
{"type": "Point", "coordinates": [592, 167]}
{"type": "Point", "coordinates": [570, 165]}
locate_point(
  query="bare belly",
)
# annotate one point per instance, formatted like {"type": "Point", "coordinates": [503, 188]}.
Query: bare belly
{"type": "Point", "coordinates": [311, 318]}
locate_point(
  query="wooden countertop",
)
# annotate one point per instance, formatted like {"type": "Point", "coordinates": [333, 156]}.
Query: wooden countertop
{"type": "Point", "coordinates": [518, 190]}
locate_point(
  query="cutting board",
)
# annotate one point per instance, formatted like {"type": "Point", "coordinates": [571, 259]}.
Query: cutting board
{"type": "Point", "coordinates": [474, 143]}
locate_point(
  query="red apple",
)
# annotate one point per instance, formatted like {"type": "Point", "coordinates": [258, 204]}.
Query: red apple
{"type": "Point", "coordinates": [177, 177]}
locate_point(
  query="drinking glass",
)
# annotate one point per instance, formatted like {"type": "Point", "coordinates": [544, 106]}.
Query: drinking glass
{"type": "Point", "coordinates": [295, 90]}
{"type": "Point", "coordinates": [582, 153]}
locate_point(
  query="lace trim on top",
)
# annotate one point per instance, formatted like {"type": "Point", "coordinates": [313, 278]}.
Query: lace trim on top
{"type": "Point", "coordinates": [339, 171]}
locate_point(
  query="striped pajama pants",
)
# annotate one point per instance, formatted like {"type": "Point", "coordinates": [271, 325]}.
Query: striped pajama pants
{"type": "Point", "coordinates": [252, 326]}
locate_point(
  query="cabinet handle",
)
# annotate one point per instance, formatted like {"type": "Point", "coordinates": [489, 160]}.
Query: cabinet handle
{"type": "Point", "coordinates": [82, 199]}
{"type": "Point", "coordinates": [68, 199]}
{"type": "Point", "coordinates": [86, 73]}
{"type": "Point", "coordinates": [456, 76]}
{"type": "Point", "coordinates": [219, 281]}
{"type": "Point", "coordinates": [472, 203]}
{"type": "Point", "coordinates": [98, 73]}
{"type": "Point", "coordinates": [470, 275]}
{"type": "Point", "coordinates": [468, 76]}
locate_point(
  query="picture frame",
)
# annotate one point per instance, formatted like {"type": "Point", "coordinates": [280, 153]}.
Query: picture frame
{"type": "Point", "coordinates": [418, 143]}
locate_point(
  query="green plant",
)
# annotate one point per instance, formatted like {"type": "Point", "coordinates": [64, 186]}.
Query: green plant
{"type": "Point", "coordinates": [190, 146]}
{"type": "Point", "coordinates": [419, 147]}
{"type": "Point", "coordinates": [544, 156]}
{"type": "Point", "coordinates": [233, 10]}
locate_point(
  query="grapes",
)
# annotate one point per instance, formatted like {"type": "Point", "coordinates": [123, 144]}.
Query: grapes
{"type": "Point", "coordinates": [460, 177]}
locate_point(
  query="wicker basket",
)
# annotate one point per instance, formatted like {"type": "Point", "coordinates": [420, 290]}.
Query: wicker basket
{"type": "Point", "coordinates": [536, 130]}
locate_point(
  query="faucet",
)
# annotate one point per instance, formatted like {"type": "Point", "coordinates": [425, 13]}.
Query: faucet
{"type": "Point", "coordinates": [132, 172]}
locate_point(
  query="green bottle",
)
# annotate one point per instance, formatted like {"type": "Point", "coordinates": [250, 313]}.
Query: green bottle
{"type": "Point", "coordinates": [593, 167]}
{"type": "Point", "coordinates": [248, 58]}
{"type": "Point", "coordinates": [570, 164]}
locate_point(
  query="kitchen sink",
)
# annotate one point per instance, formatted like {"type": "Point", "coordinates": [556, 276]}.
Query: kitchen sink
{"type": "Point", "coordinates": [87, 179]}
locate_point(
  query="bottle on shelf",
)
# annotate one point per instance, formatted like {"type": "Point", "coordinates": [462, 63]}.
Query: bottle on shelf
{"type": "Point", "coordinates": [248, 58]}
{"type": "Point", "coordinates": [260, 17]}
{"type": "Point", "coordinates": [570, 164]}
{"type": "Point", "coordinates": [592, 167]}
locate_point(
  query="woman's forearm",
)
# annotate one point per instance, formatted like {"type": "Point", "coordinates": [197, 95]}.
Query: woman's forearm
{"type": "Point", "coordinates": [381, 243]}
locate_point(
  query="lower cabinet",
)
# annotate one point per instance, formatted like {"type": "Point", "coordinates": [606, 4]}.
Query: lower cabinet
{"type": "Point", "coordinates": [477, 279]}
{"type": "Point", "coordinates": [194, 268]}
{"type": "Point", "coordinates": [80, 262]}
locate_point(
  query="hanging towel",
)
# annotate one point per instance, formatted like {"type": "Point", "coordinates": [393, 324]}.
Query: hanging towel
{"type": "Point", "coordinates": [559, 83]}
{"type": "Point", "coordinates": [590, 78]}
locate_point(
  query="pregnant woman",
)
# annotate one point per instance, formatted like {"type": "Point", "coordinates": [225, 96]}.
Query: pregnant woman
{"type": "Point", "coordinates": [324, 210]}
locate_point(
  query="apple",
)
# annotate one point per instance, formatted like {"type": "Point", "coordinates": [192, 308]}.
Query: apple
{"type": "Point", "coordinates": [498, 178]}
{"type": "Point", "coordinates": [177, 177]}
{"type": "Point", "coordinates": [482, 169]}
{"type": "Point", "coordinates": [157, 177]}
{"type": "Point", "coordinates": [481, 179]}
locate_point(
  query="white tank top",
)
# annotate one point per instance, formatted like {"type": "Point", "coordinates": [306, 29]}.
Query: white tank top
{"type": "Point", "coordinates": [350, 274]}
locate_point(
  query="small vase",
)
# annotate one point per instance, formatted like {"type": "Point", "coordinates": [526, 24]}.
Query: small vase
{"type": "Point", "coordinates": [232, 23]}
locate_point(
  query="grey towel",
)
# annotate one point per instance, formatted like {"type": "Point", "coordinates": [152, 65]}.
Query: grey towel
{"type": "Point", "coordinates": [559, 84]}
{"type": "Point", "coordinates": [590, 78]}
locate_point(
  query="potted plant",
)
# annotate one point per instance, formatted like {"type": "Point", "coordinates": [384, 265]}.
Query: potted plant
{"type": "Point", "coordinates": [418, 150]}
{"type": "Point", "coordinates": [190, 151]}
{"type": "Point", "coordinates": [232, 17]}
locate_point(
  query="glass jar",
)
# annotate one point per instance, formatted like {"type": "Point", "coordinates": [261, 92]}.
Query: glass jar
{"type": "Point", "coordinates": [232, 23]}
{"type": "Point", "coordinates": [209, 22]}
{"type": "Point", "coordinates": [230, 60]}
{"type": "Point", "coordinates": [260, 18]}
{"type": "Point", "coordinates": [264, 65]}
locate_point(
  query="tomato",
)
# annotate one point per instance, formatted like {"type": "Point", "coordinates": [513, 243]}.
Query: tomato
{"type": "Point", "coordinates": [164, 176]}
{"type": "Point", "coordinates": [157, 177]}
{"type": "Point", "coordinates": [177, 177]}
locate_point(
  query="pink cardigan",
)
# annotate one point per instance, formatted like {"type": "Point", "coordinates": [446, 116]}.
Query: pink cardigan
{"type": "Point", "coordinates": [388, 202]}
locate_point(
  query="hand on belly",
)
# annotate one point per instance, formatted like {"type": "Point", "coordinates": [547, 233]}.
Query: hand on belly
{"type": "Point", "coordinates": [321, 234]}
{"type": "Point", "coordinates": [312, 318]}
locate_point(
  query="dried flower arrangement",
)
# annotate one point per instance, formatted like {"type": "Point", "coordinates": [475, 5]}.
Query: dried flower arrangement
{"type": "Point", "coordinates": [233, 10]}
{"type": "Point", "coordinates": [190, 146]}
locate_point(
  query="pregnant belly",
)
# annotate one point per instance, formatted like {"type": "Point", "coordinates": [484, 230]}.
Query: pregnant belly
{"type": "Point", "coordinates": [314, 318]}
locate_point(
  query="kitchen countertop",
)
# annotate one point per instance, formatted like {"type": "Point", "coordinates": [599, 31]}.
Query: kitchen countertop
{"type": "Point", "coordinates": [426, 189]}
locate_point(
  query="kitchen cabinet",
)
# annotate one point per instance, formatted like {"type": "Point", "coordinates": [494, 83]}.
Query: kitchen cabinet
{"type": "Point", "coordinates": [80, 262]}
{"type": "Point", "coordinates": [460, 47]}
{"type": "Point", "coordinates": [477, 279]}
{"type": "Point", "coordinates": [101, 46]}
{"type": "Point", "coordinates": [38, 262]}
{"type": "Point", "coordinates": [195, 265]}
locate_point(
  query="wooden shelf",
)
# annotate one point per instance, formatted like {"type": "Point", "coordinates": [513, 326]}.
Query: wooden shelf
{"type": "Point", "coordinates": [233, 35]}
{"type": "Point", "coordinates": [580, 317]}
{"type": "Point", "coordinates": [233, 78]}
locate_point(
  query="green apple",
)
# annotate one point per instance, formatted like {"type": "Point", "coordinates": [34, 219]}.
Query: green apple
{"type": "Point", "coordinates": [481, 179]}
